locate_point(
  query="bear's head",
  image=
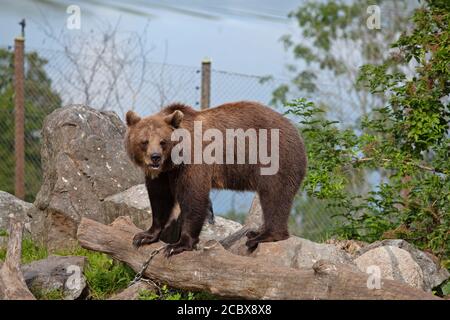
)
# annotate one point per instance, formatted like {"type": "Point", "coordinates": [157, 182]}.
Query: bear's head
{"type": "Point", "coordinates": [148, 140]}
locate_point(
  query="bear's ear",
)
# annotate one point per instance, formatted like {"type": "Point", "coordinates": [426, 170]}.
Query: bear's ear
{"type": "Point", "coordinates": [132, 118]}
{"type": "Point", "coordinates": [174, 119]}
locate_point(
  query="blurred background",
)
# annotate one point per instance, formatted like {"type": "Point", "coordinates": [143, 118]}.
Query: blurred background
{"type": "Point", "coordinates": [144, 54]}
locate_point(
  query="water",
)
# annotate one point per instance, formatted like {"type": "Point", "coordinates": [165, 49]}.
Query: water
{"type": "Point", "coordinates": [239, 36]}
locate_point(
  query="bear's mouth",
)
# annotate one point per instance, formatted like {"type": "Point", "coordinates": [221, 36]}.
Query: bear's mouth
{"type": "Point", "coordinates": [154, 166]}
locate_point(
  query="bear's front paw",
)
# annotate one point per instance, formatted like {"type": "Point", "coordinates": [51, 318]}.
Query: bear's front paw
{"type": "Point", "coordinates": [145, 237]}
{"type": "Point", "coordinates": [176, 248]}
{"type": "Point", "coordinates": [252, 234]}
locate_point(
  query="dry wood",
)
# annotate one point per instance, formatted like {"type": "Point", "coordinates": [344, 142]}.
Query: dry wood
{"type": "Point", "coordinates": [12, 283]}
{"type": "Point", "coordinates": [132, 292]}
{"type": "Point", "coordinates": [252, 222]}
{"type": "Point", "coordinates": [218, 271]}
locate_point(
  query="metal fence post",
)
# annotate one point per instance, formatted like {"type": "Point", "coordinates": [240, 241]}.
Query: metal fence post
{"type": "Point", "coordinates": [206, 84]}
{"type": "Point", "coordinates": [19, 112]}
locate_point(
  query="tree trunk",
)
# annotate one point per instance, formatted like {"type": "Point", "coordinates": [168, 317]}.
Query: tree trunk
{"type": "Point", "coordinates": [12, 283]}
{"type": "Point", "coordinates": [218, 271]}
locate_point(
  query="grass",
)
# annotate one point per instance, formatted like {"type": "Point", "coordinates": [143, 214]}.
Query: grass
{"type": "Point", "coordinates": [167, 293]}
{"type": "Point", "coordinates": [32, 252]}
{"type": "Point", "coordinates": [3, 233]}
{"type": "Point", "coordinates": [2, 254]}
{"type": "Point", "coordinates": [104, 275]}
{"type": "Point", "coordinates": [40, 294]}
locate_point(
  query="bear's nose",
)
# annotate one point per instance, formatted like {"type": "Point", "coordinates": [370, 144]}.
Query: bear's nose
{"type": "Point", "coordinates": [156, 157]}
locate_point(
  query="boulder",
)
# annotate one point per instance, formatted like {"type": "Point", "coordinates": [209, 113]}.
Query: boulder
{"type": "Point", "coordinates": [393, 263]}
{"type": "Point", "coordinates": [10, 206]}
{"type": "Point", "coordinates": [254, 218]}
{"type": "Point", "coordinates": [400, 260]}
{"type": "Point", "coordinates": [221, 229]}
{"type": "Point", "coordinates": [132, 202]}
{"type": "Point", "coordinates": [57, 273]}
{"type": "Point", "coordinates": [294, 252]}
{"type": "Point", "coordinates": [352, 247]}
{"type": "Point", "coordinates": [84, 161]}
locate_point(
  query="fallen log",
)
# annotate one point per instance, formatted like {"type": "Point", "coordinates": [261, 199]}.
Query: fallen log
{"type": "Point", "coordinates": [220, 272]}
{"type": "Point", "coordinates": [133, 291]}
{"type": "Point", "coordinates": [12, 283]}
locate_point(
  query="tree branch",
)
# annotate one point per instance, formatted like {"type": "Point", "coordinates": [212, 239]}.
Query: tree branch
{"type": "Point", "coordinates": [12, 283]}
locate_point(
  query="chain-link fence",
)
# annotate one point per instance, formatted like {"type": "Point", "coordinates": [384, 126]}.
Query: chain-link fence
{"type": "Point", "coordinates": [56, 78]}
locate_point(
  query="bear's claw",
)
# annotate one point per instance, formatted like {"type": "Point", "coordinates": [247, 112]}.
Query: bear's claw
{"type": "Point", "coordinates": [142, 238]}
{"type": "Point", "coordinates": [176, 248]}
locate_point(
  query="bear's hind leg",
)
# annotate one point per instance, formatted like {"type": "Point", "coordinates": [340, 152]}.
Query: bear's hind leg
{"type": "Point", "coordinates": [276, 209]}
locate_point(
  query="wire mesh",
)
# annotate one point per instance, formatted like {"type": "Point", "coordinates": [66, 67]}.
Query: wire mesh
{"type": "Point", "coordinates": [55, 78]}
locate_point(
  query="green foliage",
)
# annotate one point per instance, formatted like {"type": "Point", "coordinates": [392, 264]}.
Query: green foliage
{"type": "Point", "coordinates": [167, 293]}
{"type": "Point", "coordinates": [104, 275]}
{"type": "Point", "coordinates": [32, 252]}
{"type": "Point", "coordinates": [421, 217]}
{"type": "Point", "coordinates": [313, 218]}
{"type": "Point", "coordinates": [331, 31]}
{"type": "Point", "coordinates": [2, 254]}
{"type": "Point", "coordinates": [40, 294]}
{"type": "Point", "coordinates": [445, 288]}
{"type": "Point", "coordinates": [405, 144]}
{"type": "Point", "coordinates": [40, 100]}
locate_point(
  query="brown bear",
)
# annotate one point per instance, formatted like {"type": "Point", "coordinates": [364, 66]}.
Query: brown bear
{"type": "Point", "coordinates": [274, 168]}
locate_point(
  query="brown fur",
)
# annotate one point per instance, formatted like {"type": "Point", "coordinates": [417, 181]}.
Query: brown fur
{"type": "Point", "coordinates": [190, 184]}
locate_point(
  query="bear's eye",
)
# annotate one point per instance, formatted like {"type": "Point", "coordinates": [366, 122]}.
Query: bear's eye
{"type": "Point", "coordinates": [163, 143]}
{"type": "Point", "coordinates": [144, 144]}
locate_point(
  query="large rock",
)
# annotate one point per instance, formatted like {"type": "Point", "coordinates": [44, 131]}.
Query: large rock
{"type": "Point", "coordinates": [57, 273]}
{"type": "Point", "coordinates": [10, 206]}
{"type": "Point", "coordinates": [352, 247]}
{"type": "Point", "coordinates": [294, 252]}
{"type": "Point", "coordinates": [84, 162]}
{"type": "Point", "coordinates": [400, 260]}
{"type": "Point", "coordinates": [132, 202]}
{"type": "Point", "coordinates": [221, 229]}
{"type": "Point", "coordinates": [393, 263]}
{"type": "Point", "coordinates": [254, 218]}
